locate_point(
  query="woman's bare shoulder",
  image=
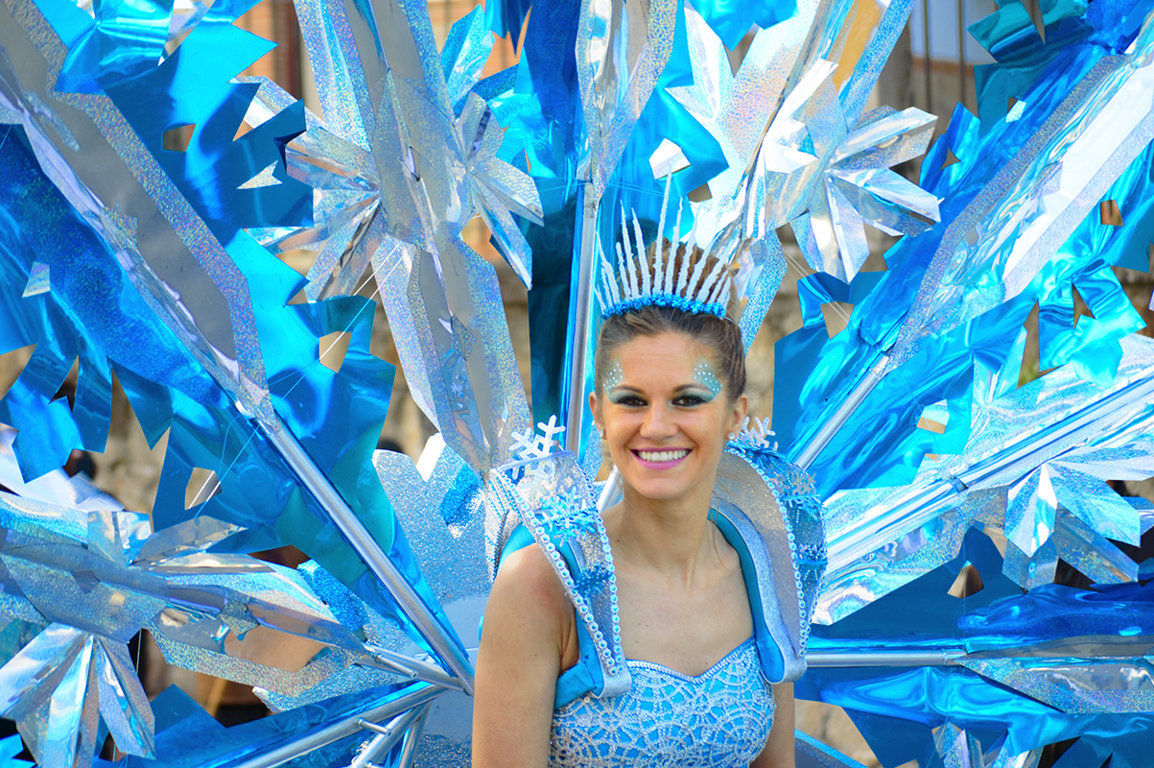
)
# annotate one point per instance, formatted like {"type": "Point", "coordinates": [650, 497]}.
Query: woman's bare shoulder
{"type": "Point", "coordinates": [527, 583]}
{"type": "Point", "coordinates": [523, 646]}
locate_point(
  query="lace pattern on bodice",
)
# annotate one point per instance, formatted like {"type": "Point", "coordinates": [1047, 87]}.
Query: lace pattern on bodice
{"type": "Point", "coordinates": [719, 719]}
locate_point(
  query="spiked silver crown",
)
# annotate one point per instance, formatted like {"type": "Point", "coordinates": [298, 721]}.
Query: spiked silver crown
{"type": "Point", "coordinates": [675, 279]}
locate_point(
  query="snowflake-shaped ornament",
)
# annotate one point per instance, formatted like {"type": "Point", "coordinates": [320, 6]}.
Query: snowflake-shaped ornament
{"type": "Point", "coordinates": [529, 445]}
{"type": "Point", "coordinates": [756, 434]}
{"type": "Point", "coordinates": [568, 513]}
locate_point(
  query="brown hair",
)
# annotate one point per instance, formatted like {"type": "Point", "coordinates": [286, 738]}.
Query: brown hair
{"type": "Point", "coordinates": [719, 334]}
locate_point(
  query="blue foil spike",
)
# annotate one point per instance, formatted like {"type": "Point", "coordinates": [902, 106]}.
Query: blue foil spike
{"type": "Point", "coordinates": [731, 20]}
{"type": "Point", "coordinates": [140, 226]}
{"type": "Point", "coordinates": [957, 748]}
{"type": "Point", "coordinates": [1031, 511]}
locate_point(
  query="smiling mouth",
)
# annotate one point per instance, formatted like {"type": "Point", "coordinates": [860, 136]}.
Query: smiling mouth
{"type": "Point", "coordinates": [662, 457]}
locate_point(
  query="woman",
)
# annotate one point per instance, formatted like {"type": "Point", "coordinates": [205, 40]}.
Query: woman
{"type": "Point", "coordinates": [668, 395]}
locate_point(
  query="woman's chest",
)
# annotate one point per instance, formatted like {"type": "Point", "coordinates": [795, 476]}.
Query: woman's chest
{"type": "Point", "coordinates": [685, 630]}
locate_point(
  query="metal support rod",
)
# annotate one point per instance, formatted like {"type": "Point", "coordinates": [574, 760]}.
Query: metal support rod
{"type": "Point", "coordinates": [413, 668]}
{"type": "Point", "coordinates": [416, 696]}
{"type": "Point", "coordinates": [610, 491]}
{"type": "Point", "coordinates": [844, 411]}
{"type": "Point", "coordinates": [936, 658]}
{"type": "Point", "coordinates": [961, 53]}
{"type": "Point", "coordinates": [582, 298]}
{"type": "Point", "coordinates": [366, 546]}
{"type": "Point", "coordinates": [412, 739]}
{"type": "Point", "coordinates": [386, 736]}
{"type": "Point", "coordinates": [926, 54]}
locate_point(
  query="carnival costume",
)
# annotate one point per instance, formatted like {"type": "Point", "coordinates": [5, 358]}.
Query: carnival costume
{"type": "Point", "coordinates": [150, 197]}
{"type": "Point", "coordinates": [766, 509]}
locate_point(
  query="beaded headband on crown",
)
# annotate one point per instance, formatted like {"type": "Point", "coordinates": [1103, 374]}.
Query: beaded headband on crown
{"type": "Point", "coordinates": [675, 280]}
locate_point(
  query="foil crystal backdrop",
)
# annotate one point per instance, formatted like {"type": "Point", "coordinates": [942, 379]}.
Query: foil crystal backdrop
{"type": "Point", "coordinates": [161, 268]}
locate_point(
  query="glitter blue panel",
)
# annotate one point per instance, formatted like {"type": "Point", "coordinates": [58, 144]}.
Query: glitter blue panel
{"type": "Point", "coordinates": [85, 275]}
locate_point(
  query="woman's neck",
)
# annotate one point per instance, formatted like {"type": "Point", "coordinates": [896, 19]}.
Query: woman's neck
{"type": "Point", "coordinates": [671, 538]}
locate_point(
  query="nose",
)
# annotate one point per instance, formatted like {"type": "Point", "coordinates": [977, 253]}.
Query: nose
{"type": "Point", "coordinates": [658, 422]}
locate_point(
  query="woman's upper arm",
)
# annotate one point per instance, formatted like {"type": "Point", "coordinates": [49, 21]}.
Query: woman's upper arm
{"type": "Point", "coordinates": [518, 663]}
{"type": "Point", "coordinates": [778, 752]}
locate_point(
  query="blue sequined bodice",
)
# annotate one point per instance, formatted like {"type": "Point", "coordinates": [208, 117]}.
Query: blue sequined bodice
{"type": "Point", "coordinates": [719, 719]}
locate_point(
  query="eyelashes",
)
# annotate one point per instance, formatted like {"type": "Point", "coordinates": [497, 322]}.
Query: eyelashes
{"type": "Point", "coordinates": [684, 400]}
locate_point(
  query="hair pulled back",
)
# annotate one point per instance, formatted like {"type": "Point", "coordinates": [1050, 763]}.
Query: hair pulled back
{"type": "Point", "coordinates": [723, 336]}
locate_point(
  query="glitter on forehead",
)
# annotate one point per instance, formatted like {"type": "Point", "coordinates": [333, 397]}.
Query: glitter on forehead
{"type": "Point", "coordinates": [706, 376]}
{"type": "Point", "coordinates": [613, 376]}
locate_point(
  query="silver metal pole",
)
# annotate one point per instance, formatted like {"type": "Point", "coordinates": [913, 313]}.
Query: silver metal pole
{"type": "Point", "coordinates": [610, 491]}
{"type": "Point", "coordinates": [844, 411]}
{"type": "Point", "coordinates": [419, 694]}
{"type": "Point", "coordinates": [575, 402]}
{"type": "Point", "coordinates": [366, 546]}
{"type": "Point", "coordinates": [386, 737]}
{"type": "Point", "coordinates": [926, 54]}
{"type": "Point", "coordinates": [961, 53]}
{"type": "Point", "coordinates": [413, 668]}
{"type": "Point", "coordinates": [937, 658]}
{"type": "Point", "coordinates": [412, 738]}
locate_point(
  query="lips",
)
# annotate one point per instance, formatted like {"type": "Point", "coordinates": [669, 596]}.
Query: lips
{"type": "Point", "coordinates": [662, 457]}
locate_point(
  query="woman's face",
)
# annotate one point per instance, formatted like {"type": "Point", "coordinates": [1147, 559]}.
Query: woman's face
{"type": "Point", "coordinates": [666, 415]}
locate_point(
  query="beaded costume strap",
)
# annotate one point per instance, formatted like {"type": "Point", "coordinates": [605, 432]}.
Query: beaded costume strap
{"type": "Point", "coordinates": [546, 491]}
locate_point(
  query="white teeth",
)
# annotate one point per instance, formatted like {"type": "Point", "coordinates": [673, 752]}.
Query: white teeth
{"type": "Point", "coordinates": [658, 456]}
